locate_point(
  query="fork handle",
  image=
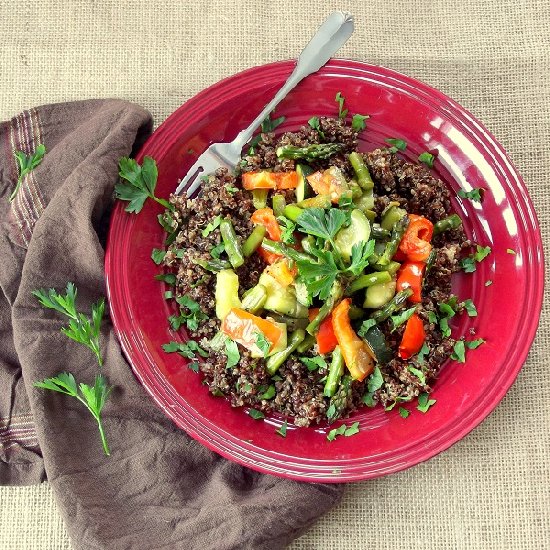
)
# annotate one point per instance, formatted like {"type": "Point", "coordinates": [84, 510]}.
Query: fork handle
{"type": "Point", "coordinates": [330, 37]}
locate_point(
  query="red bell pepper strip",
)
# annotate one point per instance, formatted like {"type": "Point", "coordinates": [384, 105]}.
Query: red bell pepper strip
{"type": "Point", "coordinates": [413, 337]}
{"type": "Point", "coordinates": [268, 257]}
{"type": "Point", "coordinates": [326, 339]}
{"type": "Point", "coordinates": [265, 217]}
{"type": "Point", "coordinates": [410, 276]}
{"type": "Point", "coordinates": [270, 180]}
{"type": "Point", "coordinates": [357, 354]}
{"type": "Point", "coordinates": [415, 243]}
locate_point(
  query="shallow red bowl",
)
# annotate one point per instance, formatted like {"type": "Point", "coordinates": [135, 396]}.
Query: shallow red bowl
{"type": "Point", "coordinates": [509, 308]}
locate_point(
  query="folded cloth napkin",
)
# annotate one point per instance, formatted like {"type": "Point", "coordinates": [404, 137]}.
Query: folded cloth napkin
{"type": "Point", "coordinates": [159, 488]}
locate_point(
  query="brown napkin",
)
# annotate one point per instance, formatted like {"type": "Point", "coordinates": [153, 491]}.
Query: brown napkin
{"type": "Point", "coordinates": [159, 488]}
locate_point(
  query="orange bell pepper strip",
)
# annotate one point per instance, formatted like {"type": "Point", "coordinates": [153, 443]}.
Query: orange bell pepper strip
{"type": "Point", "coordinates": [326, 339]}
{"type": "Point", "coordinates": [357, 354]}
{"type": "Point", "coordinates": [415, 243]}
{"type": "Point", "coordinates": [265, 217]}
{"type": "Point", "coordinates": [243, 327]}
{"type": "Point", "coordinates": [270, 180]}
{"type": "Point", "coordinates": [413, 337]}
{"type": "Point", "coordinates": [282, 272]}
{"type": "Point", "coordinates": [410, 276]}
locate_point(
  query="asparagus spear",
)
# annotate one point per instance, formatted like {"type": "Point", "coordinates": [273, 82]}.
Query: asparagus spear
{"type": "Point", "coordinates": [392, 306]}
{"type": "Point", "coordinates": [232, 245]}
{"type": "Point", "coordinates": [212, 265]}
{"type": "Point", "coordinates": [368, 280]}
{"type": "Point", "coordinates": [361, 171]}
{"type": "Point", "coordinates": [336, 292]}
{"type": "Point", "coordinates": [311, 152]}
{"type": "Point", "coordinates": [335, 372]}
{"type": "Point", "coordinates": [254, 240]}
{"type": "Point", "coordinates": [451, 222]}
{"type": "Point", "coordinates": [277, 359]}
{"type": "Point", "coordinates": [339, 402]}
{"type": "Point", "coordinates": [391, 246]}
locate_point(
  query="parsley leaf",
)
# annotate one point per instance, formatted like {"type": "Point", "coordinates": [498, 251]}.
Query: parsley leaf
{"type": "Point", "coordinates": [314, 363]}
{"type": "Point", "coordinates": [375, 381]}
{"type": "Point", "coordinates": [342, 113]}
{"type": "Point", "coordinates": [217, 251]}
{"type": "Point", "coordinates": [368, 400]}
{"type": "Point", "coordinates": [267, 125]}
{"type": "Point", "coordinates": [481, 252]}
{"type": "Point", "coordinates": [256, 415]}
{"type": "Point", "coordinates": [470, 308]}
{"type": "Point", "coordinates": [402, 317]}
{"type": "Point", "coordinates": [194, 366]}
{"type": "Point", "coordinates": [314, 123]}
{"type": "Point", "coordinates": [168, 278]}
{"type": "Point", "coordinates": [190, 314]}
{"type": "Point", "coordinates": [476, 194]}
{"type": "Point", "coordinates": [282, 430]}
{"type": "Point", "coordinates": [157, 255]}
{"type": "Point", "coordinates": [396, 144]}
{"type": "Point", "coordinates": [288, 227]}
{"type": "Point", "coordinates": [92, 397]}
{"type": "Point", "coordinates": [268, 392]}
{"type": "Point", "coordinates": [262, 343]}
{"type": "Point", "coordinates": [341, 430]}
{"type": "Point", "coordinates": [185, 349]}
{"type": "Point", "coordinates": [26, 164]}
{"type": "Point", "coordinates": [358, 122]}
{"type": "Point", "coordinates": [459, 351]}
{"type": "Point", "coordinates": [211, 226]}
{"type": "Point", "coordinates": [420, 357]}
{"type": "Point", "coordinates": [468, 264]}
{"type": "Point", "coordinates": [317, 222]}
{"type": "Point", "coordinates": [403, 412]}
{"type": "Point", "coordinates": [424, 403]}
{"type": "Point", "coordinates": [345, 201]}
{"type": "Point", "coordinates": [139, 183]}
{"type": "Point", "coordinates": [360, 254]}
{"type": "Point", "coordinates": [352, 430]}
{"type": "Point", "coordinates": [318, 277]}
{"type": "Point", "coordinates": [232, 353]}
{"type": "Point", "coordinates": [81, 329]}
{"type": "Point", "coordinates": [427, 159]}
{"type": "Point", "coordinates": [418, 373]}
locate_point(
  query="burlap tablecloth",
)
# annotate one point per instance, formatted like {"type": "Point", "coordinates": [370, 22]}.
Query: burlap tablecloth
{"type": "Point", "coordinates": [489, 491]}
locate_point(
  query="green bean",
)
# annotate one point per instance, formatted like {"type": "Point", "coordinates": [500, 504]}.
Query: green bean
{"type": "Point", "coordinates": [392, 306]}
{"type": "Point", "coordinates": [391, 268]}
{"type": "Point", "coordinates": [451, 222]}
{"type": "Point", "coordinates": [391, 246]}
{"type": "Point", "coordinates": [391, 216]}
{"type": "Point", "coordinates": [368, 280]}
{"type": "Point", "coordinates": [232, 245]}
{"type": "Point", "coordinates": [361, 171]}
{"type": "Point", "coordinates": [336, 293]}
{"type": "Point", "coordinates": [277, 359]}
{"type": "Point", "coordinates": [335, 372]}
{"type": "Point", "coordinates": [379, 234]}
{"type": "Point", "coordinates": [292, 212]}
{"type": "Point", "coordinates": [254, 240]}
{"type": "Point", "coordinates": [278, 202]}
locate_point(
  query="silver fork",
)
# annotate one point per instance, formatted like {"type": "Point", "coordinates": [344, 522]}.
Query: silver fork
{"type": "Point", "coordinates": [330, 37]}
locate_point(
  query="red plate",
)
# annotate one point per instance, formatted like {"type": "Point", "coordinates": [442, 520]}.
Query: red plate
{"type": "Point", "coordinates": [509, 308]}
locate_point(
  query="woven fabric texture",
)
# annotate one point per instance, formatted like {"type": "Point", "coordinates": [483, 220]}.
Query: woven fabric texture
{"type": "Point", "coordinates": [491, 490]}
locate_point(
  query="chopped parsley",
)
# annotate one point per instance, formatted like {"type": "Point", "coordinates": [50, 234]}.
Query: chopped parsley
{"type": "Point", "coordinates": [473, 344]}
{"type": "Point", "coordinates": [190, 314]}
{"type": "Point", "coordinates": [314, 363]}
{"type": "Point", "coordinates": [288, 227]}
{"type": "Point", "coordinates": [403, 412]}
{"type": "Point", "coordinates": [194, 366]}
{"type": "Point", "coordinates": [468, 264]}
{"type": "Point", "coordinates": [342, 113]}
{"type": "Point", "coordinates": [396, 144]}
{"type": "Point", "coordinates": [185, 349]}
{"type": "Point", "coordinates": [157, 255]}
{"type": "Point", "coordinates": [424, 402]}
{"type": "Point", "coordinates": [343, 430]}
{"type": "Point", "coordinates": [263, 343]}
{"type": "Point", "coordinates": [216, 251]}
{"type": "Point", "coordinates": [314, 123]}
{"type": "Point", "coordinates": [256, 415]}
{"type": "Point", "coordinates": [282, 430]}
{"type": "Point", "coordinates": [358, 122]}
{"type": "Point", "coordinates": [476, 194]}
{"type": "Point", "coordinates": [211, 226]}
{"type": "Point", "coordinates": [427, 158]}
{"type": "Point", "coordinates": [232, 353]}
{"type": "Point", "coordinates": [420, 357]}
{"type": "Point", "coordinates": [168, 278]}
{"type": "Point", "coordinates": [268, 392]}
{"type": "Point", "coordinates": [231, 189]}
{"type": "Point", "coordinates": [168, 295]}
{"type": "Point", "coordinates": [470, 308]}
{"type": "Point", "coordinates": [459, 351]}
{"type": "Point", "coordinates": [488, 282]}
{"type": "Point", "coordinates": [418, 373]}
{"type": "Point", "coordinates": [365, 326]}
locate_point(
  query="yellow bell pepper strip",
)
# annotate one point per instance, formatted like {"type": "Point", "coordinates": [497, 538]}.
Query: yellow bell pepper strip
{"type": "Point", "coordinates": [329, 182]}
{"type": "Point", "coordinates": [244, 328]}
{"type": "Point", "coordinates": [282, 272]}
{"type": "Point", "coordinates": [357, 354]}
{"type": "Point", "coordinates": [270, 180]}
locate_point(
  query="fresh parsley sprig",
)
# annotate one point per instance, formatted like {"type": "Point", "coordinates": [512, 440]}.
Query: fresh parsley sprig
{"type": "Point", "coordinates": [139, 183]}
{"type": "Point", "coordinates": [26, 164]}
{"type": "Point", "coordinates": [86, 331]}
{"type": "Point", "coordinates": [81, 329]}
{"type": "Point", "coordinates": [92, 397]}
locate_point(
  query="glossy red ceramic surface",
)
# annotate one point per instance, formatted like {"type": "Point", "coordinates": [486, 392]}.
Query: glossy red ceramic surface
{"type": "Point", "coordinates": [468, 156]}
